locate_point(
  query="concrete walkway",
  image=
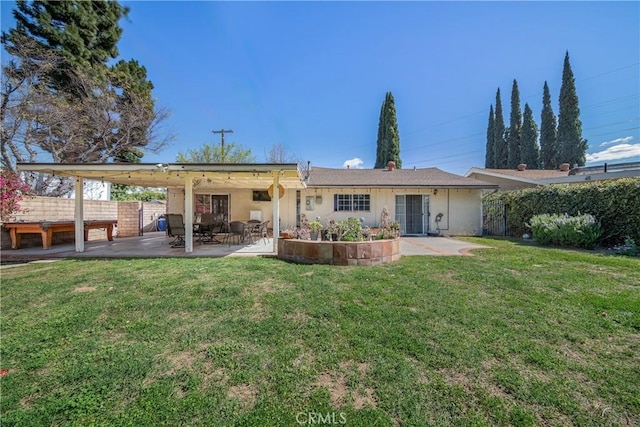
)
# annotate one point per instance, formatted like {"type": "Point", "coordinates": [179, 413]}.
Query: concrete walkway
{"type": "Point", "coordinates": [436, 246]}
{"type": "Point", "coordinates": [157, 245]}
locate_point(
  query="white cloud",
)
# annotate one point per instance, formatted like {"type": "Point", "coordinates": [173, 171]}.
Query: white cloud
{"type": "Point", "coordinates": [620, 151]}
{"type": "Point", "coordinates": [355, 163]}
{"type": "Point", "coordinates": [617, 141]}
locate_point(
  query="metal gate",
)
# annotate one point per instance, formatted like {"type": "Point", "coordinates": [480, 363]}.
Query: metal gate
{"type": "Point", "coordinates": [494, 218]}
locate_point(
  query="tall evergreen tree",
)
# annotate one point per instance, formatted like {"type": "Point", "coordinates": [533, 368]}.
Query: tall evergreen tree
{"type": "Point", "coordinates": [500, 143]}
{"type": "Point", "coordinates": [571, 146]}
{"type": "Point", "coordinates": [388, 144]}
{"type": "Point", "coordinates": [489, 159]}
{"type": "Point", "coordinates": [515, 125]}
{"type": "Point", "coordinates": [548, 133]}
{"type": "Point", "coordinates": [83, 35]}
{"type": "Point", "coordinates": [529, 151]}
{"type": "Point", "coordinates": [380, 147]}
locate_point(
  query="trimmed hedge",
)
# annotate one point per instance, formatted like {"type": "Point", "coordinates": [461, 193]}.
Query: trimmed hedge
{"type": "Point", "coordinates": [580, 231]}
{"type": "Point", "coordinates": [615, 203]}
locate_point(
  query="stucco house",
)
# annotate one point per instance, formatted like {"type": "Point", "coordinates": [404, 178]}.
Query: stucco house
{"type": "Point", "coordinates": [414, 197]}
{"type": "Point", "coordinates": [423, 201]}
{"type": "Point", "coordinates": [513, 179]}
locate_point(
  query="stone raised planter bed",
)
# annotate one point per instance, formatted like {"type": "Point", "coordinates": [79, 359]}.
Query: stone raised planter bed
{"type": "Point", "coordinates": [373, 252]}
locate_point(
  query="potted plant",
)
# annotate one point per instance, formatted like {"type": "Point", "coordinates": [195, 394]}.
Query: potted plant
{"type": "Point", "coordinates": [315, 227]}
{"type": "Point", "coordinates": [287, 233]}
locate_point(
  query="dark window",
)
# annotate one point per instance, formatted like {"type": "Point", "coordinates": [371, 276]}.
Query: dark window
{"type": "Point", "coordinates": [261, 196]}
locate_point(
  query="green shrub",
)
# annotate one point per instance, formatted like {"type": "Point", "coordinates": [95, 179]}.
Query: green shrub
{"type": "Point", "coordinates": [351, 230]}
{"type": "Point", "coordinates": [580, 231]}
{"type": "Point", "coordinates": [616, 204]}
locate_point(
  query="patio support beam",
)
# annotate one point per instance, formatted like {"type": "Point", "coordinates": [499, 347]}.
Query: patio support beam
{"type": "Point", "coordinates": [79, 214]}
{"type": "Point", "coordinates": [275, 203]}
{"type": "Point", "coordinates": [188, 213]}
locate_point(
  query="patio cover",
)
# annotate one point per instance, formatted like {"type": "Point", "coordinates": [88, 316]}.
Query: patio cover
{"type": "Point", "coordinates": [175, 175]}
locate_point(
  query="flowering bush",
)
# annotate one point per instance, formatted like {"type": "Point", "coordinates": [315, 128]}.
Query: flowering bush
{"type": "Point", "coordinates": [12, 192]}
{"type": "Point", "coordinates": [580, 231]}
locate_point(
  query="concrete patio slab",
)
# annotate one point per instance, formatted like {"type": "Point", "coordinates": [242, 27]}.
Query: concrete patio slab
{"type": "Point", "coordinates": [158, 245]}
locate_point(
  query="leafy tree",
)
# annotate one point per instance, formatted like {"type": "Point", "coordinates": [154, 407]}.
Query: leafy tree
{"type": "Point", "coordinates": [571, 146]}
{"type": "Point", "coordinates": [529, 151]}
{"type": "Point", "coordinates": [515, 125]}
{"type": "Point", "coordinates": [60, 99]}
{"type": "Point", "coordinates": [489, 161]}
{"type": "Point", "coordinates": [388, 144]}
{"type": "Point", "coordinates": [85, 33]}
{"type": "Point", "coordinates": [548, 148]}
{"type": "Point", "coordinates": [233, 153]}
{"type": "Point", "coordinates": [500, 143]}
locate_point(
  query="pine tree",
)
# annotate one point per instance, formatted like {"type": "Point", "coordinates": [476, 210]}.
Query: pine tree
{"type": "Point", "coordinates": [500, 143]}
{"type": "Point", "coordinates": [490, 150]}
{"type": "Point", "coordinates": [515, 125]}
{"type": "Point", "coordinates": [388, 144]}
{"type": "Point", "coordinates": [548, 148]}
{"type": "Point", "coordinates": [114, 101]}
{"type": "Point", "coordinates": [86, 33]}
{"type": "Point", "coordinates": [529, 151]}
{"type": "Point", "coordinates": [571, 147]}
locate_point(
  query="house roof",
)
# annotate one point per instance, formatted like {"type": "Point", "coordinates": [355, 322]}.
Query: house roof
{"type": "Point", "coordinates": [542, 177]}
{"type": "Point", "coordinates": [530, 173]}
{"type": "Point", "coordinates": [427, 177]}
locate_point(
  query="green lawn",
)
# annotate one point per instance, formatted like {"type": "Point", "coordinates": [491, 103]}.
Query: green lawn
{"type": "Point", "coordinates": [515, 335]}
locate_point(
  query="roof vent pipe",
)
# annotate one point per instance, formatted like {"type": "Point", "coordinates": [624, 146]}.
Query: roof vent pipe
{"type": "Point", "coordinates": [391, 165]}
{"type": "Point", "coordinates": [564, 167]}
{"type": "Point", "coordinates": [522, 166]}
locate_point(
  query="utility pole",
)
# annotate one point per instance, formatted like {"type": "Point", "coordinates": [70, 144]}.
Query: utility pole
{"type": "Point", "coordinates": [222, 131]}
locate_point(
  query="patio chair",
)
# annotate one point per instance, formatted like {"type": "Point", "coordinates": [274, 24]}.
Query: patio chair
{"type": "Point", "coordinates": [260, 231]}
{"type": "Point", "coordinates": [235, 230]}
{"type": "Point", "coordinates": [206, 227]}
{"type": "Point", "coordinates": [251, 228]}
{"type": "Point", "coordinates": [175, 228]}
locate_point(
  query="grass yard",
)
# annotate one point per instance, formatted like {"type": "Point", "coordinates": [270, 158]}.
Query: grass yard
{"type": "Point", "coordinates": [516, 335]}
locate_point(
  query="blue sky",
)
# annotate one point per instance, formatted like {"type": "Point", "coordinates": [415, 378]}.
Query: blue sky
{"type": "Point", "coordinates": [312, 75]}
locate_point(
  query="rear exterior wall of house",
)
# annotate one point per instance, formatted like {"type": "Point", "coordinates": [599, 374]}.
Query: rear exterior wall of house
{"type": "Point", "coordinates": [461, 209]}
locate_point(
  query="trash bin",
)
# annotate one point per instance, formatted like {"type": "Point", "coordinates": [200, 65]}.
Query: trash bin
{"type": "Point", "coordinates": [162, 224]}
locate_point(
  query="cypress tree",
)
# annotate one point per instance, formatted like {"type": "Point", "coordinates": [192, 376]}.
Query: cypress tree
{"type": "Point", "coordinates": [529, 151]}
{"type": "Point", "coordinates": [489, 160]}
{"type": "Point", "coordinates": [388, 145]}
{"type": "Point", "coordinates": [499, 144]}
{"type": "Point", "coordinates": [571, 147]}
{"type": "Point", "coordinates": [548, 147]}
{"type": "Point", "coordinates": [380, 149]}
{"type": "Point", "coordinates": [515, 125]}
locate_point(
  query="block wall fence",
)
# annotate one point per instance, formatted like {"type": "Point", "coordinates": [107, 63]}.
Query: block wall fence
{"type": "Point", "coordinates": [128, 215]}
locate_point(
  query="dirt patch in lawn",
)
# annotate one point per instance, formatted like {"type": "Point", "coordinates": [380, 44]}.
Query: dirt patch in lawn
{"type": "Point", "coordinates": [337, 386]}
{"type": "Point", "coordinates": [339, 392]}
{"type": "Point", "coordinates": [182, 360]}
{"type": "Point", "coordinates": [82, 289]}
{"type": "Point", "coordinates": [245, 393]}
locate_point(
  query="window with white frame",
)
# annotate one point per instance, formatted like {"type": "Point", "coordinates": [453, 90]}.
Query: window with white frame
{"type": "Point", "coordinates": [351, 202]}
